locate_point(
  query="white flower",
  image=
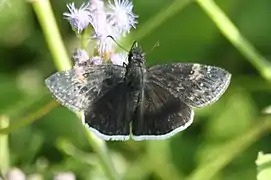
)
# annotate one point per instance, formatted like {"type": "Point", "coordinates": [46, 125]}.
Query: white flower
{"type": "Point", "coordinates": [115, 20]}
{"type": "Point", "coordinates": [96, 5]}
{"type": "Point", "coordinates": [121, 16]}
{"type": "Point", "coordinates": [78, 18]}
{"type": "Point", "coordinates": [101, 27]}
{"type": "Point", "coordinates": [80, 56]}
{"type": "Point", "coordinates": [119, 59]}
{"type": "Point", "coordinates": [97, 60]}
{"type": "Point", "coordinates": [98, 17]}
{"type": "Point", "coordinates": [65, 176]}
{"type": "Point", "coordinates": [16, 173]}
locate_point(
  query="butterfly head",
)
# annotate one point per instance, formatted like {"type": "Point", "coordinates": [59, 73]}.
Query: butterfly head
{"type": "Point", "coordinates": [136, 54]}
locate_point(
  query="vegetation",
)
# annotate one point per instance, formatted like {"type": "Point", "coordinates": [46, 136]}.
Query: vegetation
{"type": "Point", "coordinates": [40, 137]}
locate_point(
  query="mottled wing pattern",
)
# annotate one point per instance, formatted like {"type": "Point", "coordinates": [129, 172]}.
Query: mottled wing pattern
{"type": "Point", "coordinates": [77, 88]}
{"type": "Point", "coordinates": [109, 116]}
{"type": "Point", "coordinates": [159, 114]}
{"type": "Point", "coordinates": [195, 84]}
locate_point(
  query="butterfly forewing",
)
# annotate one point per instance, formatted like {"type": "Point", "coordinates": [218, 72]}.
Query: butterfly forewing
{"type": "Point", "coordinates": [196, 85]}
{"type": "Point", "coordinates": [78, 87]}
{"type": "Point", "coordinates": [159, 114]}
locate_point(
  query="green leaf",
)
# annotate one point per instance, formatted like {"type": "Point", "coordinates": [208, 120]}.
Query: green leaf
{"type": "Point", "coordinates": [263, 163]}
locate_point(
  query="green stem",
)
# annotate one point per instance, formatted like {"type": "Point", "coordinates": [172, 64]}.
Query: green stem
{"type": "Point", "coordinates": [100, 148]}
{"type": "Point", "coordinates": [84, 37]}
{"type": "Point", "coordinates": [161, 17]}
{"type": "Point", "coordinates": [30, 118]}
{"type": "Point", "coordinates": [164, 154]}
{"type": "Point", "coordinates": [235, 37]}
{"type": "Point", "coordinates": [52, 35]}
{"type": "Point", "coordinates": [228, 152]}
{"type": "Point", "coordinates": [68, 148]}
{"type": "Point", "coordinates": [4, 150]}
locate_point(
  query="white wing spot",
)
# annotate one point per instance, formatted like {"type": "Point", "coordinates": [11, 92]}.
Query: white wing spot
{"type": "Point", "coordinates": [196, 72]}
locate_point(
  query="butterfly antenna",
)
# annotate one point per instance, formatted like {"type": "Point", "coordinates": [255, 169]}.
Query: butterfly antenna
{"type": "Point", "coordinates": [156, 45]}
{"type": "Point", "coordinates": [109, 36]}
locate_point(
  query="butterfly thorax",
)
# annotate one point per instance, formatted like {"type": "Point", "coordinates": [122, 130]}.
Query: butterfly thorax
{"type": "Point", "coordinates": [135, 70]}
{"type": "Point", "coordinates": [134, 77]}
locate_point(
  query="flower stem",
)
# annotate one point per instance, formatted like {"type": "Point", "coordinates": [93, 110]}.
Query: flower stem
{"type": "Point", "coordinates": [99, 146]}
{"type": "Point", "coordinates": [52, 35]}
{"type": "Point", "coordinates": [235, 37]}
{"type": "Point", "coordinates": [4, 150]}
{"type": "Point", "coordinates": [84, 38]}
{"type": "Point", "coordinates": [30, 118]}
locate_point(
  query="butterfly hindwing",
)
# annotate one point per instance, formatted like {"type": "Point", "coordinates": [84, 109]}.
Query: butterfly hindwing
{"type": "Point", "coordinates": [77, 88]}
{"type": "Point", "coordinates": [159, 115]}
{"type": "Point", "coordinates": [109, 116]}
{"type": "Point", "coordinates": [195, 84]}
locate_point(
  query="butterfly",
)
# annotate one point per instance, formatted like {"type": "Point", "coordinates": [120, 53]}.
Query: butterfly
{"type": "Point", "coordinates": [135, 101]}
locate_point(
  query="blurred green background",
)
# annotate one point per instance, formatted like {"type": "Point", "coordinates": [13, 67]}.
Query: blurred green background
{"type": "Point", "coordinates": [221, 144]}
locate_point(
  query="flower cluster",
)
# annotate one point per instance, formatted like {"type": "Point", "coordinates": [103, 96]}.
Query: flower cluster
{"type": "Point", "coordinates": [106, 20]}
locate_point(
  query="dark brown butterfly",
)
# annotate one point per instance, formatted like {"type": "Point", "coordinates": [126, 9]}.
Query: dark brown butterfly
{"type": "Point", "coordinates": [133, 100]}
